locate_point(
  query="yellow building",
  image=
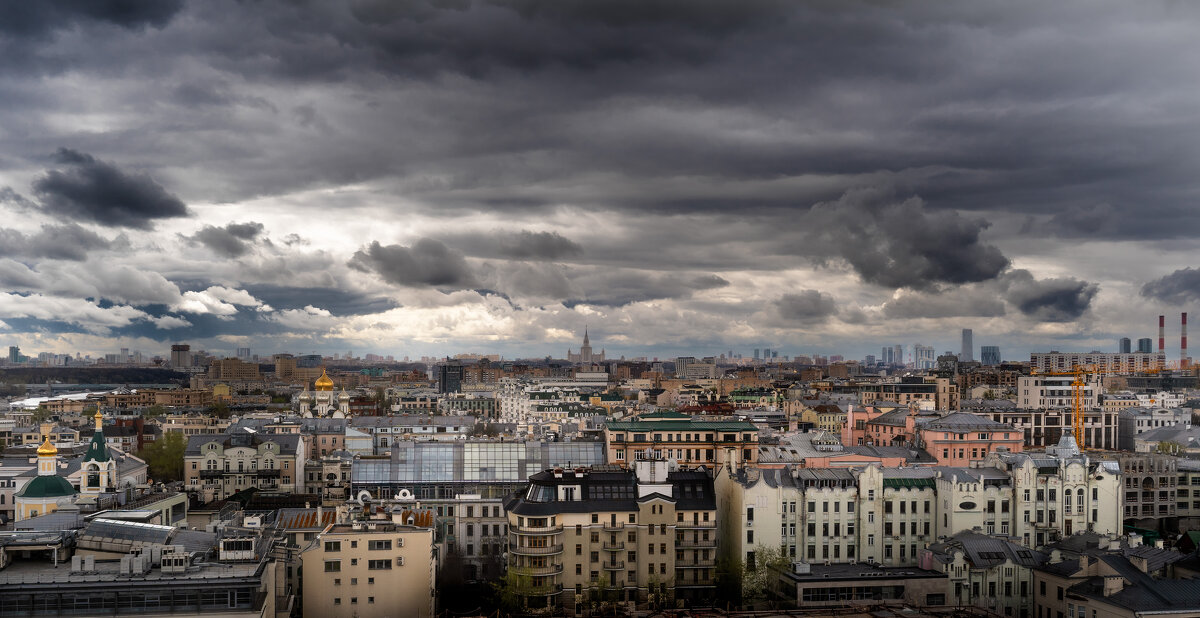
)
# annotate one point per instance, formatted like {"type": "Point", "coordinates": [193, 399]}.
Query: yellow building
{"type": "Point", "coordinates": [366, 569]}
{"type": "Point", "coordinates": [47, 491]}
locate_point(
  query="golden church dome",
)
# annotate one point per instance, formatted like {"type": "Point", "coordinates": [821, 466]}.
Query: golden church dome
{"type": "Point", "coordinates": [323, 383]}
{"type": "Point", "coordinates": [46, 448]}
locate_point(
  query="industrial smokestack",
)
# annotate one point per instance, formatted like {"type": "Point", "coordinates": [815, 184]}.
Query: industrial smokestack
{"type": "Point", "coordinates": [1183, 357]}
{"type": "Point", "coordinates": [1162, 334]}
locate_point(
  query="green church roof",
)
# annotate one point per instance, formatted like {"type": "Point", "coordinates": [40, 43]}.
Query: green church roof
{"type": "Point", "coordinates": [50, 486]}
{"type": "Point", "coordinates": [98, 449]}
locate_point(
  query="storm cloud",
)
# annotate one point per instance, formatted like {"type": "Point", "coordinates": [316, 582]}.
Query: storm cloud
{"type": "Point", "coordinates": [94, 190]}
{"type": "Point", "coordinates": [426, 263]}
{"type": "Point", "coordinates": [438, 175]}
{"type": "Point", "coordinates": [231, 240]}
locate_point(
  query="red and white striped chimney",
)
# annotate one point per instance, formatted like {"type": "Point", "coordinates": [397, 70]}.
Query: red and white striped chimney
{"type": "Point", "coordinates": [1162, 334]}
{"type": "Point", "coordinates": [1183, 357]}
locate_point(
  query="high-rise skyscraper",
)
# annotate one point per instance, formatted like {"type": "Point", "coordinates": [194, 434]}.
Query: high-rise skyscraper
{"type": "Point", "coordinates": [181, 355]}
{"type": "Point", "coordinates": [757, 353]}
{"type": "Point", "coordinates": [14, 354]}
{"type": "Point", "coordinates": [450, 377]}
{"type": "Point", "coordinates": [968, 346]}
{"type": "Point", "coordinates": [898, 354]}
{"type": "Point", "coordinates": [989, 355]}
{"type": "Point", "coordinates": [1123, 345]}
{"type": "Point", "coordinates": [1145, 345]}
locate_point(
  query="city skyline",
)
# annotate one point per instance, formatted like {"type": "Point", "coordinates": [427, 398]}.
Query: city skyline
{"type": "Point", "coordinates": [420, 180]}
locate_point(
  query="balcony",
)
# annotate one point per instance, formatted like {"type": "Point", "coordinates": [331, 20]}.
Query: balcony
{"type": "Point", "coordinates": [696, 564]}
{"type": "Point", "coordinates": [704, 525]}
{"type": "Point", "coordinates": [554, 569]}
{"type": "Point", "coordinates": [212, 474]}
{"type": "Point", "coordinates": [614, 526]}
{"type": "Point", "coordinates": [268, 473]}
{"type": "Point", "coordinates": [613, 565]}
{"type": "Point", "coordinates": [618, 546]}
{"type": "Point", "coordinates": [542, 591]}
{"type": "Point", "coordinates": [695, 543]}
{"type": "Point", "coordinates": [537, 529]}
{"type": "Point", "coordinates": [536, 551]}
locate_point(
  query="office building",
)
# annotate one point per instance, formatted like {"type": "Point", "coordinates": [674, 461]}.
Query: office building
{"type": "Point", "coordinates": [989, 355]}
{"type": "Point", "coordinates": [1124, 345]}
{"type": "Point", "coordinates": [450, 377]}
{"type": "Point", "coordinates": [1145, 345]}
{"type": "Point", "coordinates": [968, 346]}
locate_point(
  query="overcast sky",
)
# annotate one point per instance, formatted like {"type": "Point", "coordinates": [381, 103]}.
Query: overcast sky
{"type": "Point", "coordinates": [445, 176]}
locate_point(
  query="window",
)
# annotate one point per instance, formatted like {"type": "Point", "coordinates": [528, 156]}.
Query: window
{"type": "Point", "coordinates": [333, 546]}
{"type": "Point", "coordinates": [749, 537]}
{"type": "Point", "coordinates": [333, 566]}
{"type": "Point", "coordinates": [386, 545]}
{"type": "Point", "coordinates": [379, 565]}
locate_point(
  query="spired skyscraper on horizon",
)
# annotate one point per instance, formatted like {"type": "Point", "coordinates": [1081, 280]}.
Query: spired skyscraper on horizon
{"type": "Point", "coordinates": [968, 346]}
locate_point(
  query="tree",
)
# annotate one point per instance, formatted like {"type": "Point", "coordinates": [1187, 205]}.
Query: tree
{"type": "Point", "coordinates": [155, 410]}
{"type": "Point", "coordinates": [728, 582]}
{"type": "Point", "coordinates": [41, 415]}
{"type": "Point", "coordinates": [164, 456]}
{"type": "Point", "coordinates": [761, 579]}
{"type": "Point", "coordinates": [219, 410]}
{"type": "Point", "coordinates": [1168, 447]}
{"type": "Point", "coordinates": [512, 590]}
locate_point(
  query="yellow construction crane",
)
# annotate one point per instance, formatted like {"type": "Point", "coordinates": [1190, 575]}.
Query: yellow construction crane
{"type": "Point", "coordinates": [1077, 398]}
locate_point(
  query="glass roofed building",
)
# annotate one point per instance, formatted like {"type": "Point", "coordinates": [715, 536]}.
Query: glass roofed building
{"type": "Point", "coordinates": [431, 470]}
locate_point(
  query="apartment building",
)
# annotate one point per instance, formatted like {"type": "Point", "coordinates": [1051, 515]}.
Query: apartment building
{"type": "Point", "coordinates": [990, 572]}
{"type": "Point", "coordinates": [887, 515]}
{"type": "Point", "coordinates": [373, 568]}
{"type": "Point", "coordinates": [938, 393]}
{"type": "Point", "coordinates": [1150, 486]}
{"type": "Point", "coordinates": [1132, 422]}
{"type": "Point", "coordinates": [609, 534]}
{"type": "Point", "coordinates": [683, 440]}
{"type": "Point", "coordinates": [1130, 362]}
{"type": "Point", "coordinates": [1114, 582]}
{"type": "Point", "coordinates": [220, 465]}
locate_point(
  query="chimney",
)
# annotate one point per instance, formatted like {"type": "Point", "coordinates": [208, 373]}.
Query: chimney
{"type": "Point", "coordinates": [1162, 334]}
{"type": "Point", "coordinates": [1183, 357]}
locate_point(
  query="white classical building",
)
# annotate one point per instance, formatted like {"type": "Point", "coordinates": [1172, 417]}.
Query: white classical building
{"type": "Point", "coordinates": [322, 401]}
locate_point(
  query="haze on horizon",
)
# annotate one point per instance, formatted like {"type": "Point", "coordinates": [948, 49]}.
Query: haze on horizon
{"type": "Point", "coordinates": [425, 178]}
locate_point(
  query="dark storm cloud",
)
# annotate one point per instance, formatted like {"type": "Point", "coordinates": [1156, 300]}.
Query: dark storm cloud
{"type": "Point", "coordinates": [1179, 287]}
{"type": "Point", "coordinates": [519, 245]}
{"type": "Point", "coordinates": [966, 301]}
{"type": "Point", "coordinates": [98, 191]}
{"type": "Point", "coordinates": [232, 240]}
{"type": "Point", "coordinates": [623, 287]}
{"type": "Point", "coordinates": [1050, 300]}
{"type": "Point", "coordinates": [905, 244]}
{"type": "Point", "coordinates": [56, 242]}
{"type": "Point", "coordinates": [31, 19]}
{"type": "Point", "coordinates": [806, 307]}
{"type": "Point", "coordinates": [428, 263]}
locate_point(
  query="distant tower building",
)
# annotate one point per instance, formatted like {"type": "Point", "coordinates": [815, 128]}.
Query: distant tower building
{"type": "Point", "coordinates": [1123, 346]}
{"type": "Point", "coordinates": [885, 355]}
{"type": "Point", "coordinates": [14, 354]}
{"type": "Point", "coordinates": [243, 353]}
{"type": "Point", "coordinates": [450, 377]}
{"type": "Point", "coordinates": [181, 355]}
{"type": "Point", "coordinates": [757, 353]}
{"type": "Point", "coordinates": [968, 346]}
{"type": "Point", "coordinates": [585, 356]}
{"type": "Point", "coordinates": [869, 360]}
{"type": "Point", "coordinates": [923, 356]}
{"type": "Point", "coordinates": [766, 353]}
{"type": "Point", "coordinates": [898, 354]}
{"type": "Point", "coordinates": [1145, 345]}
{"type": "Point", "coordinates": [990, 355]}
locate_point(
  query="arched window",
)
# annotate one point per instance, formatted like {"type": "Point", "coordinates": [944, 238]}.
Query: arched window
{"type": "Point", "coordinates": [93, 475]}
